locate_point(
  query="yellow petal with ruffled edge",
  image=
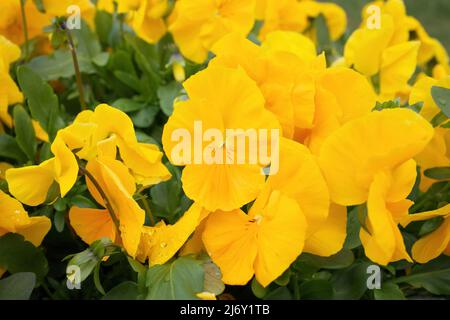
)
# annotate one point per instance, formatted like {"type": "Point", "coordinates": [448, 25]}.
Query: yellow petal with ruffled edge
{"type": "Point", "coordinates": [148, 23]}
{"type": "Point", "coordinates": [230, 239]}
{"type": "Point", "coordinates": [30, 185]}
{"type": "Point", "coordinates": [433, 244]}
{"type": "Point", "coordinates": [352, 155]}
{"type": "Point", "coordinates": [398, 64]}
{"type": "Point", "coordinates": [144, 161]}
{"type": "Point", "coordinates": [300, 178]}
{"type": "Point", "coordinates": [65, 166]}
{"type": "Point", "coordinates": [329, 238]}
{"type": "Point", "coordinates": [92, 224]}
{"type": "Point", "coordinates": [365, 43]}
{"type": "Point", "coordinates": [280, 236]}
{"type": "Point", "coordinates": [130, 215]}
{"type": "Point", "coordinates": [35, 230]}
{"type": "Point", "coordinates": [292, 42]}
{"type": "Point", "coordinates": [12, 213]}
{"type": "Point", "coordinates": [160, 243]}
{"type": "Point", "coordinates": [384, 243]}
{"type": "Point", "coordinates": [14, 218]}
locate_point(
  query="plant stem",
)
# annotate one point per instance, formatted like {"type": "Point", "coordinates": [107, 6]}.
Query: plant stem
{"type": "Point", "coordinates": [76, 66]}
{"type": "Point", "coordinates": [103, 195]}
{"type": "Point", "coordinates": [25, 28]}
{"type": "Point", "coordinates": [147, 210]}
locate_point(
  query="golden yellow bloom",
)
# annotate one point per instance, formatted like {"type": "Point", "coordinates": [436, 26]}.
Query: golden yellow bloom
{"type": "Point", "coordinates": [93, 133]}
{"type": "Point", "coordinates": [197, 24]}
{"type": "Point", "coordinates": [220, 98]}
{"type": "Point", "coordinates": [394, 62]}
{"type": "Point", "coordinates": [309, 100]}
{"type": "Point", "coordinates": [14, 218]}
{"type": "Point", "coordinates": [3, 167]}
{"type": "Point", "coordinates": [370, 159]}
{"type": "Point", "coordinates": [119, 186]}
{"type": "Point", "coordinates": [11, 20]}
{"type": "Point", "coordinates": [292, 15]}
{"type": "Point", "coordinates": [436, 242]}
{"type": "Point", "coordinates": [148, 21]}
{"type": "Point", "coordinates": [264, 242]}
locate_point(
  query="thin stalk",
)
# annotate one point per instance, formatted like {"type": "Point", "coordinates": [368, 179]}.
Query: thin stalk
{"type": "Point", "coordinates": [25, 28]}
{"type": "Point", "coordinates": [103, 195]}
{"type": "Point", "coordinates": [147, 210]}
{"type": "Point", "coordinates": [76, 67]}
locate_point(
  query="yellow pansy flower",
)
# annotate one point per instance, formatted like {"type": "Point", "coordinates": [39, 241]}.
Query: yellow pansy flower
{"type": "Point", "coordinates": [197, 24]}
{"type": "Point", "coordinates": [11, 20]}
{"type": "Point", "coordinates": [14, 218]}
{"type": "Point", "coordinates": [148, 21]}
{"type": "Point", "coordinates": [435, 243]}
{"type": "Point", "coordinates": [369, 159]}
{"type": "Point", "coordinates": [265, 242]}
{"type": "Point", "coordinates": [114, 179]}
{"type": "Point", "coordinates": [221, 99]}
{"type": "Point", "coordinates": [393, 62]}
{"type": "Point", "coordinates": [294, 15]}
{"type": "Point", "coordinates": [309, 100]}
{"type": "Point", "coordinates": [93, 133]}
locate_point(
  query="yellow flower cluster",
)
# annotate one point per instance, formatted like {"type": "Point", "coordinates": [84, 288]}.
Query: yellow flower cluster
{"type": "Point", "coordinates": [252, 219]}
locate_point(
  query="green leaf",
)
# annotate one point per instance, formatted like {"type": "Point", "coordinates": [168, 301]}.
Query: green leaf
{"type": "Point", "coordinates": [128, 105]}
{"type": "Point", "coordinates": [438, 173]}
{"type": "Point", "coordinates": [389, 291]}
{"type": "Point", "coordinates": [441, 97]}
{"type": "Point", "coordinates": [25, 135]}
{"type": "Point", "coordinates": [97, 281]}
{"type": "Point", "coordinates": [59, 220]}
{"type": "Point", "coordinates": [340, 260]}
{"type": "Point", "coordinates": [144, 118]}
{"type": "Point", "coordinates": [258, 290]}
{"type": "Point", "coordinates": [10, 149]}
{"type": "Point", "coordinates": [323, 35]}
{"type": "Point", "coordinates": [82, 202]}
{"type": "Point", "coordinates": [213, 278]}
{"type": "Point", "coordinates": [433, 276]}
{"type": "Point", "coordinates": [60, 65]}
{"type": "Point", "coordinates": [353, 227]}
{"type": "Point", "coordinates": [42, 101]}
{"type": "Point", "coordinates": [180, 279]}
{"type": "Point", "coordinates": [18, 286]}
{"type": "Point", "coordinates": [101, 59]}
{"type": "Point", "coordinates": [350, 283]}
{"type": "Point", "coordinates": [167, 95]}
{"type": "Point", "coordinates": [125, 291]}
{"type": "Point", "coordinates": [39, 5]}
{"type": "Point", "coordinates": [19, 255]}
{"type": "Point", "coordinates": [316, 289]}
{"type": "Point", "coordinates": [281, 293]}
